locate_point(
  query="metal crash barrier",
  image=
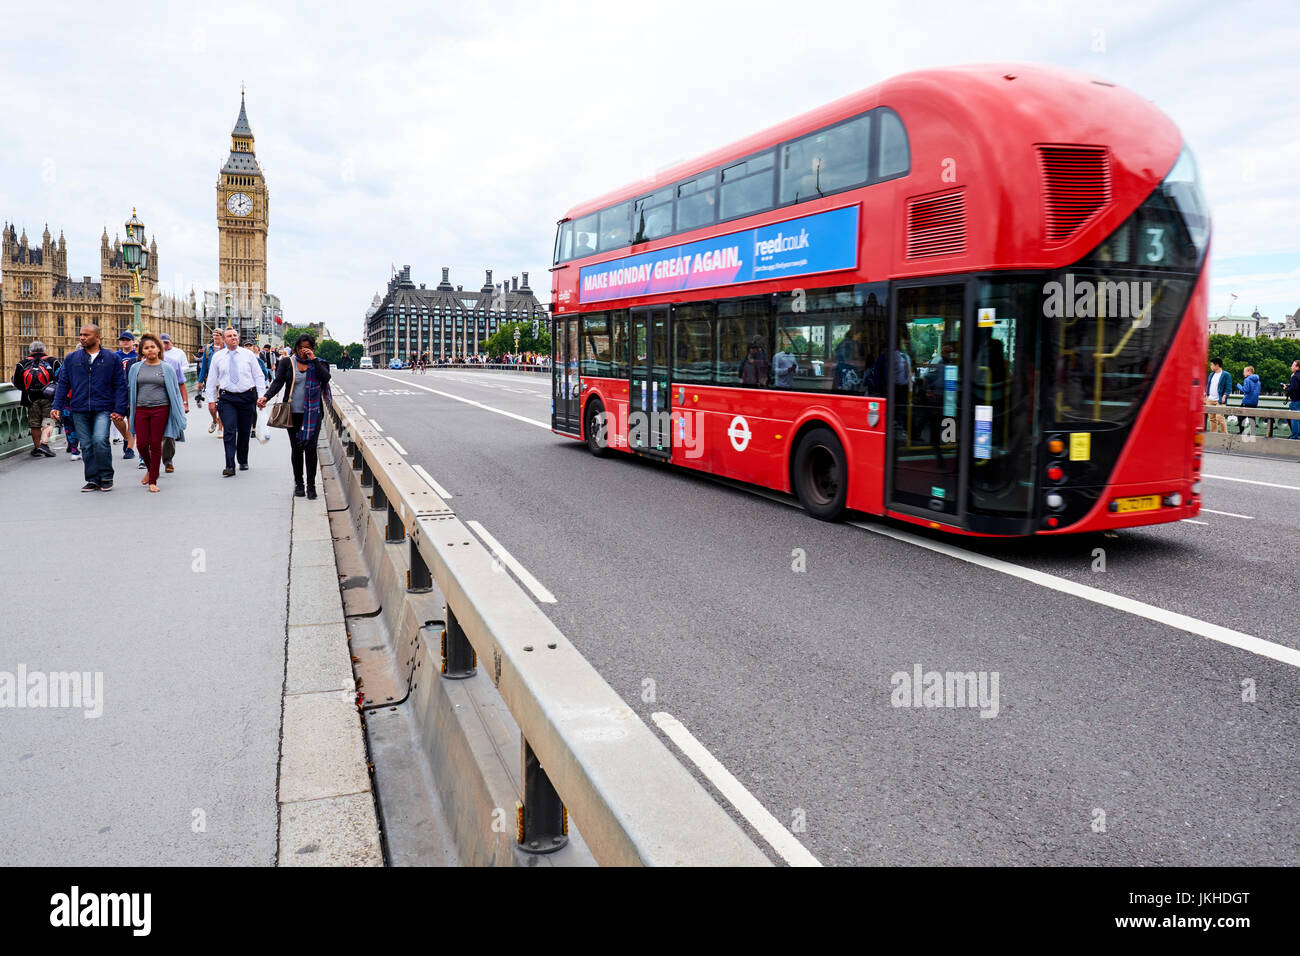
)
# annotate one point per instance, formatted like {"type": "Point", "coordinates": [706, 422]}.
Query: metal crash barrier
{"type": "Point", "coordinates": [584, 751]}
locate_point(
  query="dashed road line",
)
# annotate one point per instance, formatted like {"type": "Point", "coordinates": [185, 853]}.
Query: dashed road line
{"type": "Point", "coordinates": [378, 427]}
{"type": "Point", "coordinates": [769, 828]}
{"type": "Point", "coordinates": [400, 450]}
{"type": "Point", "coordinates": [438, 489]}
{"type": "Point", "coordinates": [509, 560]}
{"type": "Point", "coordinates": [1194, 521]}
{"type": "Point", "coordinates": [360, 410]}
{"type": "Point", "coordinates": [1228, 514]}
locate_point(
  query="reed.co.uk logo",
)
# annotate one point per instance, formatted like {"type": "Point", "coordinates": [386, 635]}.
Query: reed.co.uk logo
{"type": "Point", "coordinates": [972, 689]}
{"type": "Point", "coordinates": [83, 690]}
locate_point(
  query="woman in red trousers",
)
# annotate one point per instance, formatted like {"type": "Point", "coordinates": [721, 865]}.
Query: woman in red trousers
{"type": "Point", "coordinates": [157, 411]}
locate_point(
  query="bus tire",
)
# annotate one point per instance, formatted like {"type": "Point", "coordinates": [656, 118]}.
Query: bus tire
{"type": "Point", "coordinates": [594, 428]}
{"type": "Point", "coordinates": [821, 474]}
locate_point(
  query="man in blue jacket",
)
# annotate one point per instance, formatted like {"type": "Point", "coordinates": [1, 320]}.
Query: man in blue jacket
{"type": "Point", "coordinates": [1249, 397]}
{"type": "Point", "coordinates": [92, 389]}
{"type": "Point", "coordinates": [1217, 388]}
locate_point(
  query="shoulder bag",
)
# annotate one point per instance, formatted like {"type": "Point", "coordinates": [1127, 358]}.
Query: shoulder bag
{"type": "Point", "coordinates": [282, 411]}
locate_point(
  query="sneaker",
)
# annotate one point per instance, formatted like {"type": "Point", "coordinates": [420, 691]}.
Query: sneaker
{"type": "Point", "coordinates": [168, 468]}
{"type": "Point", "coordinates": [105, 486]}
{"type": "Point", "coordinates": [243, 467]}
{"type": "Point", "coordinates": [227, 472]}
{"type": "Point", "coordinates": [90, 486]}
{"type": "Point", "coordinates": [311, 492]}
{"type": "Point", "coordinates": [76, 456]}
{"type": "Point", "coordinates": [36, 452]}
{"type": "Point", "coordinates": [141, 464]}
{"type": "Point", "coordinates": [48, 452]}
{"type": "Point", "coordinates": [212, 428]}
{"type": "Point", "coordinates": [128, 454]}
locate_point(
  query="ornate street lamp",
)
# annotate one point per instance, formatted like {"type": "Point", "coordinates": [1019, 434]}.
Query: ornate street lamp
{"type": "Point", "coordinates": [516, 343]}
{"type": "Point", "coordinates": [136, 258]}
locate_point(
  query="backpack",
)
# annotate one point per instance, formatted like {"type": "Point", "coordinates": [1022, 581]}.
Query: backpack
{"type": "Point", "coordinates": [37, 376]}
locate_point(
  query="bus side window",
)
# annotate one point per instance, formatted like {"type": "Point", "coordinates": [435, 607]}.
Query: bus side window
{"type": "Point", "coordinates": [563, 243]}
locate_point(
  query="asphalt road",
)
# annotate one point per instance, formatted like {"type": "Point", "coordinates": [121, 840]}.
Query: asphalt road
{"type": "Point", "coordinates": [775, 639]}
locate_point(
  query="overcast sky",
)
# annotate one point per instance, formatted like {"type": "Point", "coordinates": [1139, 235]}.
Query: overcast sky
{"type": "Point", "coordinates": [456, 134]}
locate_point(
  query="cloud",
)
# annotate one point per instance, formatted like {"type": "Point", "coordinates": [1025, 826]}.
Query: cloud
{"type": "Point", "coordinates": [457, 134]}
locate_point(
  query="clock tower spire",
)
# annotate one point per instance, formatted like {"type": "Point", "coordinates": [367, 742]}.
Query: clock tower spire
{"type": "Point", "coordinates": [243, 210]}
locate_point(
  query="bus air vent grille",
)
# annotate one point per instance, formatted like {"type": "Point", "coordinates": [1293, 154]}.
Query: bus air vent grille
{"type": "Point", "coordinates": [1076, 186]}
{"type": "Point", "coordinates": [936, 226]}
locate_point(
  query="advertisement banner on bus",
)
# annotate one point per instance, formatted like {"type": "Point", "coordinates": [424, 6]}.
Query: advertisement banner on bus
{"type": "Point", "coordinates": [824, 242]}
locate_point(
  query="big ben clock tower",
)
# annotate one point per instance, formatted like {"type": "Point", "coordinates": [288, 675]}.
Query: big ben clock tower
{"type": "Point", "coordinates": [243, 208]}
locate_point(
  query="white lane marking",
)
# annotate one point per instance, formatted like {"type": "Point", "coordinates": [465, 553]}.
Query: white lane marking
{"type": "Point", "coordinates": [360, 410]}
{"type": "Point", "coordinates": [1249, 481]}
{"type": "Point", "coordinates": [1192, 521]}
{"type": "Point", "coordinates": [768, 826]}
{"type": "Point", "coordinates": [378, 427]}
{"type": "Point", "coordinates": [400, 450]}
{"type": "Point", "coordinates": [438, 489]}
{"type": "Point", "coordinates": [1182, 622]}
{"type": "Point", "coordinates": [1228, 514]}
{"type": "Point", "coordinates": [470, 401]}
{"type": "Point", "coordinates": [508, 559]}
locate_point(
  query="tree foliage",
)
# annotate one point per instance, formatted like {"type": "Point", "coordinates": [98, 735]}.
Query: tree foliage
{"type": "Point", "coordinates": [503, 339]}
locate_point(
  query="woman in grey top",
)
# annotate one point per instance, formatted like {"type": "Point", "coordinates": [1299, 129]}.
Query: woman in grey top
{"type": "Point", "coordinates": [156, 408]}
{"type": "Point", "coordinates": [307, 378]}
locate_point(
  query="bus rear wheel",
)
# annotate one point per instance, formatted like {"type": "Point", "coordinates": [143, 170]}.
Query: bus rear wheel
{"type": "Point", "coordinates": [821, 474]}
{"type": "Point", "coordinates": [594, 429]}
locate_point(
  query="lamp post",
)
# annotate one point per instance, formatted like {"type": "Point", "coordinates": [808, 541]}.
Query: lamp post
{"type": "Point", "coordinates": [516, 343]}
{"type": "Point", "coordinates": [136, 258]}
{"type": "Point", "coordinates": [228, 297]}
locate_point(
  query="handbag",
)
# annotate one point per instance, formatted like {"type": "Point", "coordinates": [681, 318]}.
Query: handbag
{"type": "Point", "coordinates": [282, 412]}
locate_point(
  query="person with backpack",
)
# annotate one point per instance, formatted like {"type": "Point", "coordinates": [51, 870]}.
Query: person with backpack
{"type": "Point", "coordinates": [1217, 388]}
{"type": "Point", "coordinates": [1249, 397]}
{"type": "Point", "coordinates": [32, 376]}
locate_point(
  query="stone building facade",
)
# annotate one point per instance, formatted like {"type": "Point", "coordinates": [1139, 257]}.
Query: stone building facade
{"type": "Point", "coordinates": [40, 301]}
{"type": "Point", "coordinates": [445, 321]}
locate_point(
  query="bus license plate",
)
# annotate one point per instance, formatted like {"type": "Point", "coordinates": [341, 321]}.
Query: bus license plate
{"type": "Point", "coordinates": [1143, 503]}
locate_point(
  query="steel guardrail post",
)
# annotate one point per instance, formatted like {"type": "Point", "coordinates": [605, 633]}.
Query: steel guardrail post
{"type": "Point", "coordinates": [458, 658]}
{"type": "Point", "coordinates": [396, 532]}
{"type": "Point", "coordinates": [542, 820]}
{"type": "Point", "coordinates": [378, 499]}
{"type": "Point", "coordinates": [357, 458]}
{"type": "Point", "coordinates": [418, 578]}
{"type": "Point", "coordinates": [367, 479]}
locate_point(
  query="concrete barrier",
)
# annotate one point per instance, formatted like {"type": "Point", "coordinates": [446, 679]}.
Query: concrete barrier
{"type": "Point", "coordinates": [632, 800]}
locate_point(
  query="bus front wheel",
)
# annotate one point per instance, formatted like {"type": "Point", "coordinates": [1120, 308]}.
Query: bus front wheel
{"type": "Point", "coordinates": [821, 474]}
{"type": "Point", "coordinates": [597, 440]}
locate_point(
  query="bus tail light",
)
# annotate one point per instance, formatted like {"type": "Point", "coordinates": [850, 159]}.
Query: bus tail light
{"type": "Point", "coordinates": [1196, 487]}
{"type": "Point", "coordinates": [1198, 438]}
{"type": "Point", "coordinates": [1056, 446]}
{"type": "Point", "coordinates": [1172, 501]}
{"type": "Point", "coordinates": [1055, 501]}
{"type": "Point", "coordinates": [1055, 473]}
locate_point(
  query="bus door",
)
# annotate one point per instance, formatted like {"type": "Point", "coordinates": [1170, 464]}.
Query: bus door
{"type": "Point", "coordinates": [649, 426]}
{"type": "Point", "coordinates": [564, 375]}
{"type": "Point", "coordinates": [926, 400]}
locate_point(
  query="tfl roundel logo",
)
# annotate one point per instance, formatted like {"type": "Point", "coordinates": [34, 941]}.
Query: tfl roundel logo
{"type": "Point", "coordinates": [739, 433]}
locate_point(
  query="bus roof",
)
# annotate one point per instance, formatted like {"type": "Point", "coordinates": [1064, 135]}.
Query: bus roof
{"type": "Point", "coordinates": [959, 87]}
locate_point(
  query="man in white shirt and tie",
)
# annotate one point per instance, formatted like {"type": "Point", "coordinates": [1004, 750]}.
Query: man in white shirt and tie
{"type": "Point", "coordinates": [236, 373]}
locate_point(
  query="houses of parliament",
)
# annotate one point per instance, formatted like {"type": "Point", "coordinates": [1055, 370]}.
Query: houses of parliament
{"type": "Point", "coordinates": [40, 301]}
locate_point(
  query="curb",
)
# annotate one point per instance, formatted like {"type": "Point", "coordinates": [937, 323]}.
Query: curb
{"type": "Point", "coordinates": [327, 808]}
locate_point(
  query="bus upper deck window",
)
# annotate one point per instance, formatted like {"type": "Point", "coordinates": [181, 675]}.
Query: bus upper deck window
{"type": "Point", "coordinates": [584, 232]}
{"type": "Point", "coordinates": [564, 243]}
{"type": "Point", "coordinates": [892, 157]}
{"type": "Point", "coordinates": [614, 232]}
{"type": "Point", "coordinates": [826, 161]}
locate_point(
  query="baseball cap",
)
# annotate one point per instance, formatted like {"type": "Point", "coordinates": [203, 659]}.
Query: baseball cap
{"type": "Point", "coordinates": [165, 337]}
{"type": "Point", "coordinates": [126, 337]}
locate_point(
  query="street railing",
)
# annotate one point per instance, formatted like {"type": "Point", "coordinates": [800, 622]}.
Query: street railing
{"type": "Point", "coordinates": [1270, 417]}
{"type": "Point", "coordinates": [584, 750]}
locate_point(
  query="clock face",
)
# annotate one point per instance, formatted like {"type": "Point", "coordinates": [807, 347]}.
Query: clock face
{"type": "Point", "coordinates": [239, 204]}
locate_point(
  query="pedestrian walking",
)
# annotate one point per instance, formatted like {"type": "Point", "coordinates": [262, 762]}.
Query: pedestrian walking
{"type": "Point", "coordinates": [31, 377]}
{"type": "Point", "coordinates": [1217, 387]}
{"type": "Point", "coordinates": [1293, 397]}
{"type": "Point", "coordinates": [128, 356]}
{"type": "Point", "coordinates": [205, 366]}
{"type": "Point", "coordinates": [95, 396]}
{"type": "Point", "coordinates": [178, 360]}
{"type": "Point", "coordinates": [236, 373]}
{"type": "Point", "coordinates": [1249, 397]}
{"type": "Point", "coordinates": [155, 405]}
{"type": "Point", "coordinates": [308, 381]}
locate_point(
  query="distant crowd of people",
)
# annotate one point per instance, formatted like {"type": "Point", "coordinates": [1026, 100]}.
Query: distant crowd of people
{"type": "Point", "coordinates": [1220, 385]}
{"type": "Point", "coordinates": [140, 391]}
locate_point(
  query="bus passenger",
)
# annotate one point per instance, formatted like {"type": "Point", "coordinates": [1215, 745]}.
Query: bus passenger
{"type": "Point", "coordinates": [754, 368]}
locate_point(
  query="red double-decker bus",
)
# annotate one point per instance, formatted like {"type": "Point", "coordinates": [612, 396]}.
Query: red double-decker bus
{"type": "Point", "coordinates": [970, 298]}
